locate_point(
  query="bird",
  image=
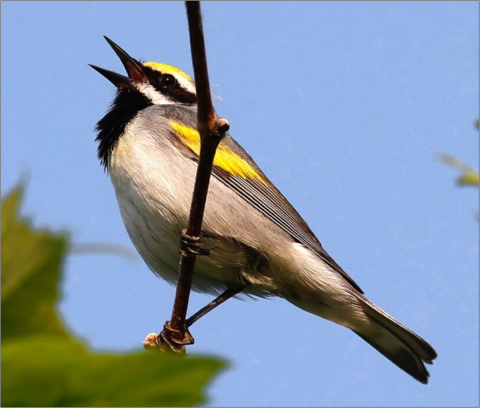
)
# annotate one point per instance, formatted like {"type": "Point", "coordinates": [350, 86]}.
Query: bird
{"type": "Point", "coordinates": [261, 247]}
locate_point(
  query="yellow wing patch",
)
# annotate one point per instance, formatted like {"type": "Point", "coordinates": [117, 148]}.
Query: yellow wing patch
{"type": "Point", "coordinates": [167, 69]}
{"type": "Point", "coordinates": [225, 158]}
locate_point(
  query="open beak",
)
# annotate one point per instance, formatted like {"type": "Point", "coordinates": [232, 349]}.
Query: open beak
{"type": "Point", "coordinates": [132, 66]}
{"type": "Point", "coordinates": [118, 80]}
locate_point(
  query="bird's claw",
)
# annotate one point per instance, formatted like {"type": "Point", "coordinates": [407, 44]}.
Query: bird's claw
{"type": "Point", "coordinates": [192, 245]}
{"type": "Point", "coordinates": [174, 340]}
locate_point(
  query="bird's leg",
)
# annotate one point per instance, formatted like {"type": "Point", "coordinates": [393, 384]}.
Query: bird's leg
{"type": "Point", "coordinates": [213, 304]}
{"type": "Point", "coordinates": [169, 337]}
{"type": "Point", "coordinates": [222, 297]}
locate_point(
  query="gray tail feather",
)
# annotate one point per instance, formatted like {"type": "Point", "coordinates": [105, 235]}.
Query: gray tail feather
{"type": "Point", "coordinates": [399, 344]}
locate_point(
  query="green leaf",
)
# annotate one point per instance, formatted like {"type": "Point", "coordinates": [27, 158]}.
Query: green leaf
{"type": "Point", "coordinates": [43, 364]}
{"type": "Point", "coordinates": [49, 371]}
{"type": "Point", "coordinates": [31, 269]}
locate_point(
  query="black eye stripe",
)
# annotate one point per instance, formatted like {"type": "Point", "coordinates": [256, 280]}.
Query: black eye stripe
{"type": "Point", "coordinates": [159, 80]}
{"type": "Point", "coordinates": [168, 85]}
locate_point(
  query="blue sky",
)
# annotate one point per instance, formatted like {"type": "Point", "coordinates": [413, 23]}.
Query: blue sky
{"type": "Point", "coordinates": [345, 106]}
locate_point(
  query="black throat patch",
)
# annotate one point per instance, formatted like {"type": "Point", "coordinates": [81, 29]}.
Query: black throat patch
{"type": "Point", "coordinates": [110, 128]}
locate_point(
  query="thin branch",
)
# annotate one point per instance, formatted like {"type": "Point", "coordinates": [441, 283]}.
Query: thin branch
{"type": "Point", "coordinates": [206, 113]}
{"type": "Point", "coordinates": [212, 129]}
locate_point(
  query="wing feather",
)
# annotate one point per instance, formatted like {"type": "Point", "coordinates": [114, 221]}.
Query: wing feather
{"type": "Point", "coordinates": [271, 203]}
{"type": "Point", "coordinates": [262, 195]}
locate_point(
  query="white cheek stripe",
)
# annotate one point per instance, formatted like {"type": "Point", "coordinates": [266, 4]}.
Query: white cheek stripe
{"type": "Point", "coordinates": [186, 84]}
{"type": "Point", "coordinates": [157, 98]}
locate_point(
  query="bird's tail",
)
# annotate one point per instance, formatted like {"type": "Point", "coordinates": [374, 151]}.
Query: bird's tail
{"type": "Point", "coordinates": [399, 344]}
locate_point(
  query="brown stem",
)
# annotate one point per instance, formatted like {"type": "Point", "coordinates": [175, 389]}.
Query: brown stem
{"type": "Point", "coordinates": [206, 113]}
{"type": "Point", "coordinates": [212, 130]}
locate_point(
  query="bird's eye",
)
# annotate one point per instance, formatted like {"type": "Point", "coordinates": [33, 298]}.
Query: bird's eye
{"type": "Point", "coordinates": [168, 80]}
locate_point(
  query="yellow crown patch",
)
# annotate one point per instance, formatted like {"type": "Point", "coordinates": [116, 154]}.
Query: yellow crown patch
{"type": "Point", "coordinates": [167, 69]}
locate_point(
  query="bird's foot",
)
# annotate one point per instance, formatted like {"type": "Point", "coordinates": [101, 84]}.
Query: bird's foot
{"type": "Point", "coordinates": [173, 340]}
{"type": "Point", "coordinates": [192, 245]}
